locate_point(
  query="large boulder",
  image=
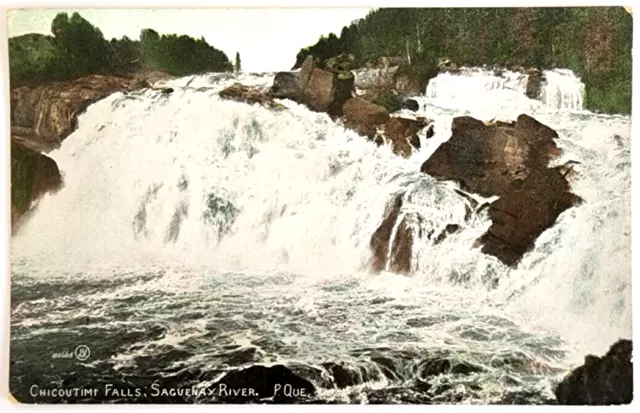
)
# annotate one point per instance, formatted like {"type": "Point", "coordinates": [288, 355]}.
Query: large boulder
{"type": "Point", "coordinates": [247, 94]}
{"type": "Point", "coordinates": [364, 117]}
{"type": "Point", "coordinates": [321, 90]}
{"type": "Point", "coordinates": [286, 85]}
{"type": "Point", "coordinates": [32, 175]}
{"type": "Point", "coordinates": [43, 116]}
{"type": "Point", "coordinates": [600, 380]}
{"type": "Point", "coordinates": [509, 161]}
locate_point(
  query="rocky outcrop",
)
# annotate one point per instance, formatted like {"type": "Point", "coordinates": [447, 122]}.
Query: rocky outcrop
{"type": "Point", "coordinates": [251, 95]}
{"type": "Point", "coordinates": [371, 120]}
{"type": "Point", "coordinates": [43, 116]}
{"type": "Point", "coordinates": [600, 380]}
{"type": "Point", "coordinates": [381, 238]}
{"type": "Point", "coordinates": [32, 175]}
{"type": "Point", "coordinates": [510, 161]}
{"type": "Point", "coordinates": [321, 90]}
{"type": "Point", "coordinates": [402, 134]}
{"type": "Point", "coordinates": [364, 117]}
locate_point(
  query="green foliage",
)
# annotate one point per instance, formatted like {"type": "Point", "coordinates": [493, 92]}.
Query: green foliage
{"type": "Point", "coordinates": [181, 55]}
{"type": "Point", "coordinates": [77, 48]}
{"type": "Point", "coordinates": [387, 99]}
{"type": "Point", "coordinates": [594, 42]}
{"type": "Point", "coordinates": [237, 67]}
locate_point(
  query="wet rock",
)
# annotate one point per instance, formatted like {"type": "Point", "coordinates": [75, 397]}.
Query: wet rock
{"type": "Point", "coordinates": [32, 175]}
{"type": "Point", "coordinates": [402, 247]}
{"type": "Point", "coordinates": [379, 243]}
{"type": "Point", "coordinates": [346, 376]}
{"type": "Point", "coordinates": [430, 131]}
{"type": "Point", "coordinates": [247, 94]}
{"type": "Point", "coordinates": [258, 382]}
{"type": "Point", "coordinates": [411, 104]}
{"type": "Point", "coordinates": [534, 83]}
{"type": "Point", "coordinates": [449, 229]}
{"type": "Point", "coordinates": [166, 91]}
{"type": "Point", "coordinates": [364, 117]}
{"type": "Point", "coordinates": [286, 85]}
{"type": "Point", "coordinates": [509, 161]}
{"type": "Point", "coordinates": [401, 132]}
{"type": "Point", "coordinates": [600, 380]}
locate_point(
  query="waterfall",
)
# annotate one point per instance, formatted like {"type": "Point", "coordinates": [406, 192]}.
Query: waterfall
{"type": "Point", "coordinates": [270, 214]}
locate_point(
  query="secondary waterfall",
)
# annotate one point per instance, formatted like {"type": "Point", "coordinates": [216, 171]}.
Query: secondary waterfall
{"type": "Point", "coordinates": [206, 216]}
{"type": "Point", "coordinates": [560, 88]}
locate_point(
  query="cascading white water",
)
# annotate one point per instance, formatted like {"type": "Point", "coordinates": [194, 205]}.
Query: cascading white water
{"type": "Point", "coordinates": [560, 88]}
{"type": "Point", "coordinates": [224, 194]}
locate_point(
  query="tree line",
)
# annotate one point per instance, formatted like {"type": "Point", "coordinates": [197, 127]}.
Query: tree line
{"type": "Point", "coordinates": [77, 48]}
{"type": "Point", "coordinates": [594, 42]}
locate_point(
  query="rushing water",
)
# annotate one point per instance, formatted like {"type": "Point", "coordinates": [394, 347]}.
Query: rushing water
{"type": "Point", "coordinates": [195, 236]}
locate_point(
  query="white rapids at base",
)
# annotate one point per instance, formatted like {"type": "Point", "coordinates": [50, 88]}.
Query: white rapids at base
{"type": "Point", "coordinates": [275, 210]}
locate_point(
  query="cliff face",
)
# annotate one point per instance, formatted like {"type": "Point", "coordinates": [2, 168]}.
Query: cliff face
{"type": "Point", "coordinates": [41, 118]}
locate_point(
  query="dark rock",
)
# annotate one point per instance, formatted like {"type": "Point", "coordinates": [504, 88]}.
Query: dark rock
{"type": "Point", "coordinates": [251, 95]}
{"type": "Point", "coordinates": [364, 117]}
{"type": "Point", "coordinates": [449, 229]}
{"type": "Point", "coordinates": [402, 247]}
{"type": "Point", "coordinates": [286, 85]}
{"type": "Point", "coordinates": [510, 161]}
{"type": "Point", "coordinates": [534, 83]}
{"type": "Point", "coordinates": [430, 131]}
{"type": "Point", "coordinates": [320, 90]}
{"type": "Point", "coordinates": [600, 380]}
{"type": "Point", "coordinates": [32, 175]}
{"type": "Point", "coordinates": [266, 383]}
{"type": "Point", "coordinates": [345, 375]}
{"type": "Point", "coordinates": [400, 132]}
{"type": "Point", "coordinates": [167, 91]}
{"type": "Point", "coordinates": [379, 243]}
{"type": "Point", "coordinates": [411, 104]}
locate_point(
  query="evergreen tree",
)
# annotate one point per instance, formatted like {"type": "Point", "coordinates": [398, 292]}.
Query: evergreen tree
{"type": "Point", "coordinates": [237, 67]}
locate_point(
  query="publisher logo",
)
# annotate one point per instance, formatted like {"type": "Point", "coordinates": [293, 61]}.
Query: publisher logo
{"type": "Point", "coordinates": [82, 352]}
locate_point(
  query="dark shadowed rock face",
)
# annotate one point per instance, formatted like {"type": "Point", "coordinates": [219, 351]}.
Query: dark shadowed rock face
{"type": "Point", "coordinates": [286, 85]}
{"type": "Point", "coordinates": [600, 380]}
{"type": "Point", "coordinates": [380, 239]}
{"type": "Point", "coordinates": [510, 161]}
{"type": "Point", "coordinates": [32, 175]}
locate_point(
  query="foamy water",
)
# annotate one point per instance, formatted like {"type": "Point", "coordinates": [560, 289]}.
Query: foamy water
{"type": "Point", "coordinates": [192, 229]}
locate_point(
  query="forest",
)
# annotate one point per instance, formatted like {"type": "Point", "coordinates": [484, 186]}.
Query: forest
{"type": "Point", "coordinates": [77, 48]}
{"type": "Point", "coordinates": [594, 42]}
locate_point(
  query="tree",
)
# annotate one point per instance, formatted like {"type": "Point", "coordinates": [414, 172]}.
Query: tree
{"type": "Point", "coordinates": [237, 67]}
